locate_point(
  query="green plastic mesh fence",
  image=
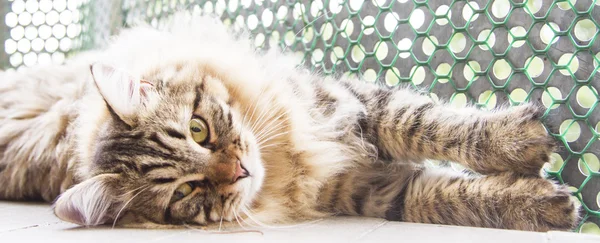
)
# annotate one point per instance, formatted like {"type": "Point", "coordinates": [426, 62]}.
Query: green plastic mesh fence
{"type": "Point", "coordinates": [38, 32]}
{"type": "Point", "coordinates": [485, 52]}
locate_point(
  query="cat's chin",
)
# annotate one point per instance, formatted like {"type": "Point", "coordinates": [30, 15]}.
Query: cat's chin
{"type": "Point", "coordinates": [251, 186]}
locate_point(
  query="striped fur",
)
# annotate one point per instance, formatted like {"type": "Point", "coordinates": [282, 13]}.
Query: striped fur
{"type": "Point", "coordinates": [314, 146]}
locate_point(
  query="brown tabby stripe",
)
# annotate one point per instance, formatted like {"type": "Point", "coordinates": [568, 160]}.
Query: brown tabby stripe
{"type": "Point", "coordinates": [358, 199]}
{"type": "Point", "coordinates": [229, 119]}
{"type": "Point", "coordinates": [379, 183]}
{"type": "Point", "coordinates": [325, 100]}
{"type": "Point", "coordinates": [134, 149]}
{"type": "Point", "coordinates": [146, 168]}
{"type": "Point", "coordinates": [444, 207]}
{"type": "Point", "coordinates": [416, 124]}
{"type": "Point", "coordinates": [335, 196]}
{"type": "Point", "coordinates": [382, 98]}
{"type": "Point", "coordinates": [462, 192]}
{"type": "Point", "coordinates": [470, 139]}
{"type": "Point", "coordinates": [358, 96]}
{"type": "Point", "coordinates": [429, 135]}
{"type": "Point", "coordinates": [221, 112]}
{"type": "Point", "coordinates": [163, 180]}
{"type": "Point", "coordinates": [207, 208]}
{"type": "Point", "coordinates": [482, 138]}
{"type": "Point", "coordinates": [128, 135]}
{"type": "Point", "coordinates": [400, 113]}
{"type": "Point", "coordinates": [377, 118]}
{"type": "Point", "coordinates": [320, 94]}
{"type": "Point", "coordinates": [174, 133]}
{"type": "Point", "coordinates": [126, 164]}
{"type": "Point", "coordinates": [167, 215]}
{"type": "Point", "coordinates": [108, 161]}
{"type": "Point", "coordinates": [396, 211]}
{"type": "Point", "coordinates": [363, 125]}
{"type": "Point", "coordinates": [450, 144]}
{"type": "Point", "coordinates": [194, 207]}
{"type": "Point", "coordinates": [199, 91]}
{"type": "Point", "coordinates": [156, 139]}
{"type": "Point", "coordinates": [453, 180]}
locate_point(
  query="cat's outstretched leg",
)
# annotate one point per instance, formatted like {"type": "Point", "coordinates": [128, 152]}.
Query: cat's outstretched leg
{"type": "Point", "coordinates": [405, 192]}
{"type": "Point", "coordinates": [405, 125]}
{"type": "Point", "coordinates": [503, 201]}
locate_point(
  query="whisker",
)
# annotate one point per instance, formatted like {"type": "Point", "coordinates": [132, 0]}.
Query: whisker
{"type": "Point", "coordinates": [275, 119]}
{"type": "Point", "coordinates": [247, 211]}
{"type": "Point", "coordinates": [268, 136]}
{"type": "Point", "coordinates": [262, 137]}
{"type": "Point", "coordinates": [262, 112]}
{"type": "Point", "coordinates": [261, 224]}
{"type": "Point", "coordinates": [127, 203]}
{"type": "Point", "coordinates": [259, 123]}
{"type": "Point", "coordinates": [306, 26]}
{"type": "Point", "coordinates": [263, 146]}
{"type": "Point", "coordinates": [272, 145]}
{"type": "Point", "coordinates": [254, 105]}
{"type": "Point", "coordinates": [236, 216]}
{"type": "Point", "coordinates": [221, 232]}
{"type": "Point", "coordinates": [243, 220]}
{"type": "Point", "coordinates": [221, 222]}
{"type": "Point", "coordinates": [270, 127]}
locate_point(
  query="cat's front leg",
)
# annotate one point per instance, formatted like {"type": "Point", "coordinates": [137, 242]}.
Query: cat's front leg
{"type": "Point", "coordinates": [408, 126]}
{"type": "Point", "coordinates": [404, 192]}
{"type": "Point", "coordinates": [505, 200]}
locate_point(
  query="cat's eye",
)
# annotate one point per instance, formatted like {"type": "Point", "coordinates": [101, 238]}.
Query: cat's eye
{"type": "Point", "coordinates": [182, 191]}
{"type": "Point", "coordinates": [199, 130]}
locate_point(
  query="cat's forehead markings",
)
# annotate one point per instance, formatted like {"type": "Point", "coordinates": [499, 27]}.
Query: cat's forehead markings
{"type": "Point", "coordinates": [184, 116]}
{"type": "Point", "coordinates": [199, 90]}
{"type": "Point", "coordinates": [178, 125]}
{"type": "Point", "coordinates": [162, 173]}
{"type": "Point", "coordinates": [215, 87]}
{"type": "Point", "coordinates": [226, 115]}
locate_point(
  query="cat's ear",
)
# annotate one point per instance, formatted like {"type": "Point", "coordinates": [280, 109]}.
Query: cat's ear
{"type": "Point", "coordinates": [124, 94]}
{"type": "Point", "coordinates": [88, 203]}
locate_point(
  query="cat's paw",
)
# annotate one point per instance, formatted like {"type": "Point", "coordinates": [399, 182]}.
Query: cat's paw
{"type": "Point", "coordinates": [538, 204]}
{"type": "Point", "coordinates": [520, 140]}
{"type": "Point", "coordinates": [557, 210]}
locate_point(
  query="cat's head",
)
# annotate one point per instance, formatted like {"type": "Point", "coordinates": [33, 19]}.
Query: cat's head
{"type": "Point", "coordinates": [173, 149]}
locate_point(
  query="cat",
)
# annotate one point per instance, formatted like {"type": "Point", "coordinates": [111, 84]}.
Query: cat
{"type": "Point", "coordinates": [190, 125]}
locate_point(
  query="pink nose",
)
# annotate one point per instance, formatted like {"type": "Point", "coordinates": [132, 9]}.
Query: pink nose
{"type": "Point", "coordinates": [240, 172]}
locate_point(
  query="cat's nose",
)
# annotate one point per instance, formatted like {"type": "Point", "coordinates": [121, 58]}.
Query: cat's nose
{"type": "Point", "coordinates": [240, 172]}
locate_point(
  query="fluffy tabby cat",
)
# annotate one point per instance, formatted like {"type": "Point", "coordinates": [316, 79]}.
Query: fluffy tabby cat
{"type": "Point", "coordinates": [192, 126]}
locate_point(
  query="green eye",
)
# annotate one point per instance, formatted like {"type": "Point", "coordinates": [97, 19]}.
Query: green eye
{"type": "Point", "coordinates": [182, 191]}
{"type": "Point", "coordinates": [199, 130]}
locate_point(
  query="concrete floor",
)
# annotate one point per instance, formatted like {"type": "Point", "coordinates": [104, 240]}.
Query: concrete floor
{"type": "Point", "coordinates": [29, 222]}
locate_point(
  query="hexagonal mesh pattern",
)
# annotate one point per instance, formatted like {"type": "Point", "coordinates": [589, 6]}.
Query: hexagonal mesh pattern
{"type": "Point", "coordinates": [490, 53]}
{"type": "Point", "coordinates": [39, 32]}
